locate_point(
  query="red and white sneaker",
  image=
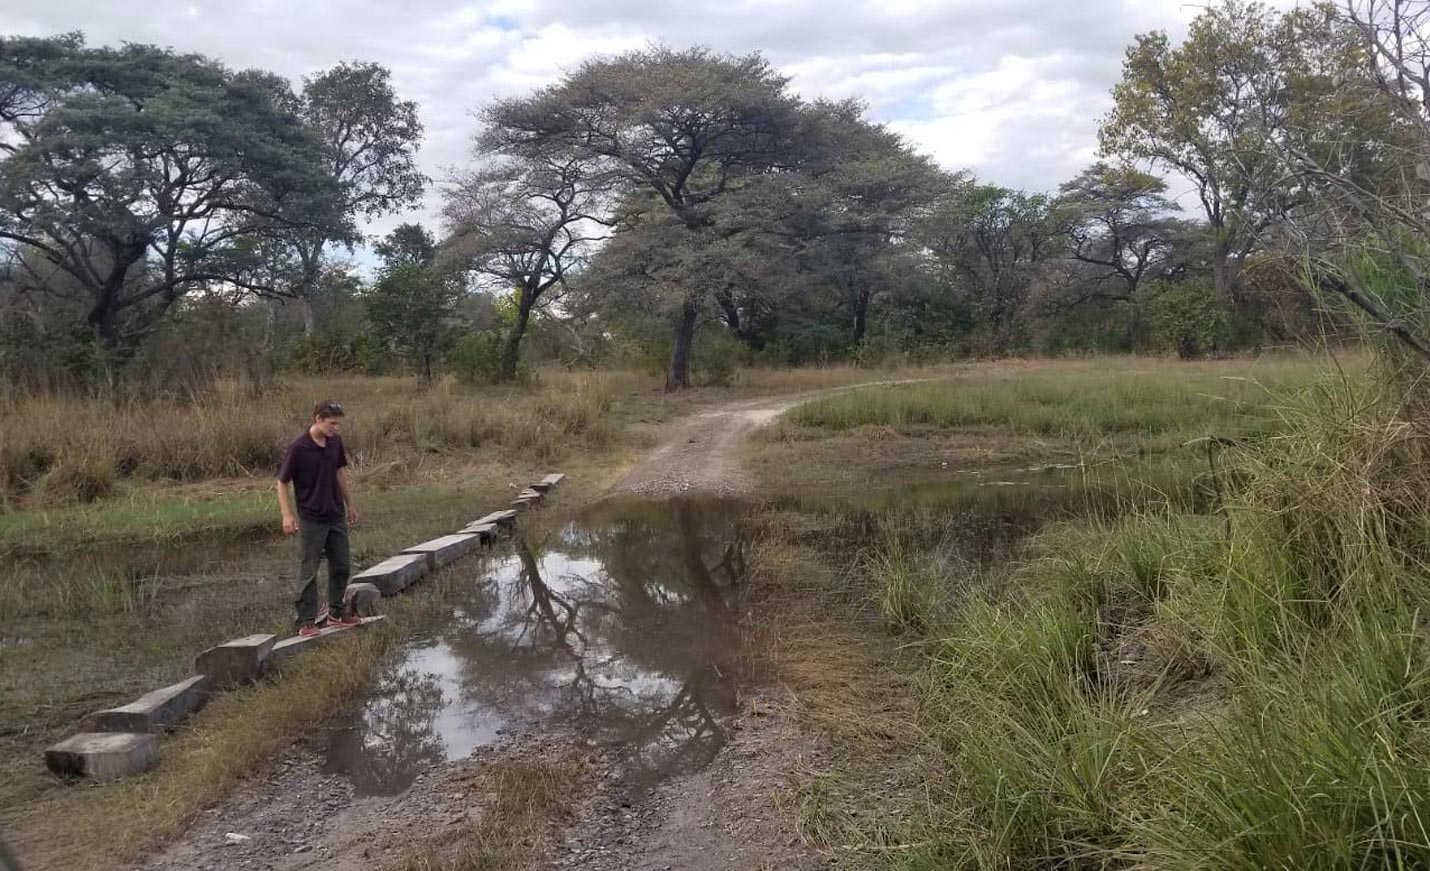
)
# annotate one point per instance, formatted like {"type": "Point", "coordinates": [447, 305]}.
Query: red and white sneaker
{"type": "Point", "coordinates": [308, 630]}
{"type": "Point", "coordinates": [345, 621]}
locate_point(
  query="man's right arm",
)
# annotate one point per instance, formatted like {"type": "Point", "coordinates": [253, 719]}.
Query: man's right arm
{"type": "Point", "coordinates": [285, 508]}
{"type": "Point", "coordinates": [285, 504]}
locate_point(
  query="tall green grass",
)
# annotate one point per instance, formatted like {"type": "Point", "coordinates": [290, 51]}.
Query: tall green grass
{"type": "Point", "coordinates": [1246, 689]}
{"type": "Point", "coordinates": [1084, 403]}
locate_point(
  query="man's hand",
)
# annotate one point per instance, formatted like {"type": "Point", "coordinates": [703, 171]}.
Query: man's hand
{"type": "Point", "coordinates": [290, 524]}
{"type": "Point", "coordinates": [353, 516]}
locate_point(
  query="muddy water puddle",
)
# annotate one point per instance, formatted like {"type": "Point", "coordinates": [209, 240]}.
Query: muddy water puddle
{"type": "Point", "coordinates": [618, 627]}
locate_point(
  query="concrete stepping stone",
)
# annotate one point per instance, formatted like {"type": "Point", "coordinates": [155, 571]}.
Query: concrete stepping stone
{"type": "Point", "coordinates": [298, 644]}
{"type": "Point", "coordinates": [550, 482]}
{"type": "Point", "coordinates": [526, 499]}
{"type": "Point", "coordinates": [362, 599]}
{"type": "Point", "coordinates": [104, 755]}
{"type": "Point", "coordinates": [485, 531]}
{"type": "Point", "coordinates": [504, 519]}
{"type": "Point", "coordinates": [447, 549]}
{"type": "Point", "coordinates": [240, 661]}
{"type": "Point", "coordinates": [152, 712]}
{"type": "Point", "coordinates": [395, 574]}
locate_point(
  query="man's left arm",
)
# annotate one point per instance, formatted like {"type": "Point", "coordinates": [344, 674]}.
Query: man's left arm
{"type": "Point", "coordinates": [346, 489]}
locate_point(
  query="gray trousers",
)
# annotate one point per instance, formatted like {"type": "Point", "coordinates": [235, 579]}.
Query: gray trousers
{"type": "Point", "coordinates": [318, 539]}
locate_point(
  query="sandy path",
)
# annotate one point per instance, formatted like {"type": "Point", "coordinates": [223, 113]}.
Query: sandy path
{"type": "Point", "coordinates": [701, 453]}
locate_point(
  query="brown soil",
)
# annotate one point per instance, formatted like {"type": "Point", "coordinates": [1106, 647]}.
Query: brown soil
{"type": "Point", "coordinates": [701, 453]}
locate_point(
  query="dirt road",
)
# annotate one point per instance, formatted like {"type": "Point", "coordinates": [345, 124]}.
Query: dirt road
{"type": "Point", "coordinates": [701, 453]}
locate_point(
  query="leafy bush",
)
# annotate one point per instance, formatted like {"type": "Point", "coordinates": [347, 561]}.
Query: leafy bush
{"type": "Point", "coordinates": [475, 358]}
{"type": "Point", "coordinates": [1188, 317]}
{"type": "Point", "coordinates": [329, 352]}
{"type": "Point", "coordinates": [716, 356]}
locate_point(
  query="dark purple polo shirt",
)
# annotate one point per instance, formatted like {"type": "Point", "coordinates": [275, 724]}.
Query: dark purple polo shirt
{"type": "Point", "coordinates": [313, 469]}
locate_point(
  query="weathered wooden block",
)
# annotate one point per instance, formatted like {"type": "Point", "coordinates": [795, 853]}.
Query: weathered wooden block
{"type": "Point", "coordinates": [298, 644]}
{"type": "Point", "coordinates": [104, 755]}
{"type": "Point", "coordinates": [239, 661]}
{"type": "Point", "coordinates": [550, 482]}
{"type": "Point", "coordinates": [152, 712]}
{"type": "Point", "coordinates": [447, 549]}
{"type": "Point", "coordinates": [362, 599]}
{"type": "Point", "coordinates": [395, 574]}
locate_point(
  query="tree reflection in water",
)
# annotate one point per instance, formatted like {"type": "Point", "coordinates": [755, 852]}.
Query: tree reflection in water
{"type": "Point", "coordinates": [620, 626]}
{"type": "Point", "coordinates": [397, 738]}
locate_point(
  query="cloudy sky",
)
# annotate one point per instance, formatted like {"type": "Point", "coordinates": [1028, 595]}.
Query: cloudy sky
{"type": "Point", "coordinates": [1011, 89]}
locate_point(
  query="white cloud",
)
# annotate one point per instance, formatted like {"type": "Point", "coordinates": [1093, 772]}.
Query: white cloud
{"type": "Point", "coordinates": [1012, 89]}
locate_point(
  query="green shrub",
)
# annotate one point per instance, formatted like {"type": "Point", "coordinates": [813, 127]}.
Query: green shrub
{"type": "Point", "coordinates": [715, 358]}
{"type": "Point", "coordinates": [475, 358]}
{"type": "Point", "coordinates": [1188, 317]}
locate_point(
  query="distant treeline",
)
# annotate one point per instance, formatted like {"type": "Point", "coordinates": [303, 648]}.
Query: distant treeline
{"type": "Point", "coordinates": [163, 217]}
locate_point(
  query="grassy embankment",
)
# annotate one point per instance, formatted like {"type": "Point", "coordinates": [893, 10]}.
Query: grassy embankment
{"type": "Point", "coordinates": [142, 534]}
{"type": "Point", "coordinates": [135, 535]}
{"type": "Point", "coordinates": [1240, 686]}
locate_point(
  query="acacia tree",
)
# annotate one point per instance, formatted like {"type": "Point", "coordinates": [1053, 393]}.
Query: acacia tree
{"type": "Point", "coordinates": [1117, 220]}
{"type": "Point", "coordinates": [140, 175]}
{"type": "Point", "coordinates": [413, 303]}
{"type": "Point", "coordinates": [526, 223]}
{"type": "Point", "coordinates": [369, 139]}
{"type": "Point", "coordinates": [871, 191]}
{"type": "Point", "coordinates": [687, 126]}
{"type": "Point", "coordinates": [985, 239]}
{"type": "Point", "coordinates": [1205, 109]}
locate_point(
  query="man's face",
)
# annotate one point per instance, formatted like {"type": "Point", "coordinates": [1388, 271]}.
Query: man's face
{"type": "Point", "coordinates": [330, 426]}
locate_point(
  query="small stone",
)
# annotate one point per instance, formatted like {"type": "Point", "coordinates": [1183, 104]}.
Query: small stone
{"type": "Point", "coordinates": [236, 838]}
{"type": "Point", "coordinates": [304, 848]}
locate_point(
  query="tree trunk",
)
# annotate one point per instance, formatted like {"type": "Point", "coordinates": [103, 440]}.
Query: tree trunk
{"type": "Point", "coordinates": [511, 350]}
{"type": "Point", "coordinates": [306, 305]}
{"type": "Point", "coordinates": [678, 377]}
{"type": "Point", "coordinates": [861, 315]}
{"type": "Point", "coordinates": [1225, 271]}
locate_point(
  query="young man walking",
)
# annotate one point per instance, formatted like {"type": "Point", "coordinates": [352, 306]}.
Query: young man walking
{"type": "Point", "coordinates": [315, 464]}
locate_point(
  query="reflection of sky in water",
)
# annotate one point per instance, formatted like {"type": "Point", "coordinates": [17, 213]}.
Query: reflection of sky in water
{"type": "Point", "coordinates": [462, 723]}
{"type": "Point", "coordinates": [552, 636]}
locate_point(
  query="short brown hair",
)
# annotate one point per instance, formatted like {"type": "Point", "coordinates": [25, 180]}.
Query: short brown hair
{"type": "Point", "coordinates": [327, 409]}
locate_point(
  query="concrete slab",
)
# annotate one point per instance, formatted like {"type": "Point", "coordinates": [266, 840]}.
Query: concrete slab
{"type": "Point", "coordinates": [289, 647]}
{"type": "Point", "coordinates": [550, 482]}
{"type": "Point", "coordinates": [239, 661]}
{"type": "Point", "coordinates": [395, 574]}
{"type": "Point", "coordinates": [152, 712]}
{"type": "Point", "coordinates": [447, 549]}
{"type": "Point", "coordinates": [362, 599]}
{"type": "Point", "coordinates": [485, 531]}
{"type": "Point", "coordinates": [504, 519]}
{"type": "Point", "coordinates": [104, 755]}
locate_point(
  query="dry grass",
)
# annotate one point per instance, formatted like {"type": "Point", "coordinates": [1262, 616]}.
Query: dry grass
{"type": "Point", "coordinates": [231, 739]}
{"type": "Point", "coordinates": [58, 449]}
{"type": "Point", "coordinates": [847, 685]}
{"type": "Point", "coordinates": [523, 800]}
{"type": "Point", "coordinates": [236, 735]}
